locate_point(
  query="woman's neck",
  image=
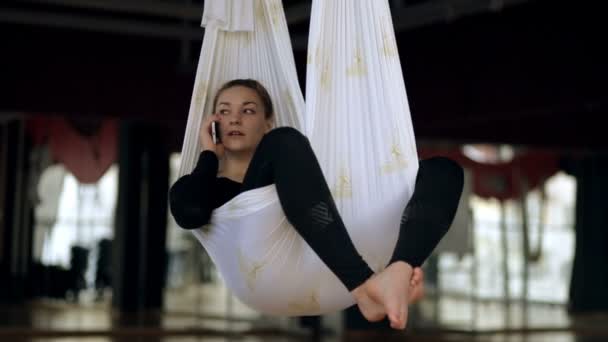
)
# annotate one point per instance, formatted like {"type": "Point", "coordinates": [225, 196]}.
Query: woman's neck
{"type": "Point", "coordinates": [234, 165]}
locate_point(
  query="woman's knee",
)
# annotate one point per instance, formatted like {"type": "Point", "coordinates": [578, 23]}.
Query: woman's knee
{"type": "Point", "coordinates": [442, 169]}
{"type": "Point", "coordinates": [284, 133]}
{"type": "Point", "coordinates": [285, 137]}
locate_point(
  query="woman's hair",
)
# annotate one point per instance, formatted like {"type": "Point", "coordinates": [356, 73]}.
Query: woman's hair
{"type": "Point", "coordinates": [253, 85]}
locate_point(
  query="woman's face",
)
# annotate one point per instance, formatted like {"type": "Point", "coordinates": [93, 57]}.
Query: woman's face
{"type": "Point", "coordinates": [243, 121]}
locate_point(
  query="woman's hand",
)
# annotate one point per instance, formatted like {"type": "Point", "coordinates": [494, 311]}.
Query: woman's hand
{"type": "Point", "coordinates": [206, 139]}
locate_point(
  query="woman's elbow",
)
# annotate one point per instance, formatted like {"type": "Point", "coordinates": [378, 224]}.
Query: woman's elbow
{"type": "Point", "coordinates": [188, 219]}
{"type": "Point", "coordinates": [187, 216]}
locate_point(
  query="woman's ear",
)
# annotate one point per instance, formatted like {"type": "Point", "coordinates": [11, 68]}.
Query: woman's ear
{"type": "Point", "coordinates": [269, 125]}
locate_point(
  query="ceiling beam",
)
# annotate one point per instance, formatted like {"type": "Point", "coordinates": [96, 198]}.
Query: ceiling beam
{"type": "Point", "coordinates": [148, 28]}
{"type": "Point", "coordinates": [444, 11]}
{"type": "Point", "coordinates": [193, 12]}
{"type": "Point", "coordinates": [168, 9]}
{"type": "Point", "coordinates": [96, 24]}
{"type": "Point", "coordinates": [404, 17]}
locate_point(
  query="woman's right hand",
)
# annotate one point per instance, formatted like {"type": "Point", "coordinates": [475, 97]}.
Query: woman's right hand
{"type": "Point", "coordinates": [206, 139]}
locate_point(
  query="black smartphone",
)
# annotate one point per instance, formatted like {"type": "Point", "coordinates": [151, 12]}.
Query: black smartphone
{"type": "Point", "coordinates": [215, 132]}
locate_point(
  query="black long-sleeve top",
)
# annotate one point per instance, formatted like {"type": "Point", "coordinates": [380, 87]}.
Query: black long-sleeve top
{"type": "Point", "coordinates": [193, 197]}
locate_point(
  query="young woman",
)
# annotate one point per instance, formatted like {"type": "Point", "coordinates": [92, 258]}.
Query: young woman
{"type": "Point", "coordinates": [251, 154]}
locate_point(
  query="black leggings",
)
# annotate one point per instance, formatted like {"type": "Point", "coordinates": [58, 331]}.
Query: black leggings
{"type": "Point", "coordinates": [284, 157]}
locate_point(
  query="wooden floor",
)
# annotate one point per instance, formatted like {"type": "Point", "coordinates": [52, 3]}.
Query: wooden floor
{"type": "Point", "coordinates": [207, 315]}
{"type": "Point", "coordinates": [437, 337]}
{"type": "Point", "coordinates": [61, 322]}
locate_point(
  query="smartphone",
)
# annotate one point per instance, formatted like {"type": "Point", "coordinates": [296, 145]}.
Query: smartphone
{"type": "Point", "coordinates": [215, 132]}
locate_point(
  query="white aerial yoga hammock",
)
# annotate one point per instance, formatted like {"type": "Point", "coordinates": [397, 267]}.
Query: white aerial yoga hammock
{"type": "Point", "coordinates": [358, 121]}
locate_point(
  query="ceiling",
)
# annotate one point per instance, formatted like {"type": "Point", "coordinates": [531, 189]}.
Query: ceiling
{"type": "Point", "coordinates": [521, 72]}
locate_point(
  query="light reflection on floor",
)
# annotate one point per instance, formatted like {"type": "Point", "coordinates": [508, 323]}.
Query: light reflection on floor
{"type": "Point", "coordinates": [199, 314]}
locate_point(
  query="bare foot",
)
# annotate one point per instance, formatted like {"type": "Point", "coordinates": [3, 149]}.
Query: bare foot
{"type": "Point", "coordinates": [374, 312]}
{"type": "Point", "coordinates": [371, 310]}
{"type": "Point", "coordinates": [416, 290]}
{"type": "Point", "coordinates": [389, 290]}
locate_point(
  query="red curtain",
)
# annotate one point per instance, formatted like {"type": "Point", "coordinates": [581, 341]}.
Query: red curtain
{"type": "Point", "coordinates": [87, 151]}
{"type": "Point", "coordinates": [503, 180]}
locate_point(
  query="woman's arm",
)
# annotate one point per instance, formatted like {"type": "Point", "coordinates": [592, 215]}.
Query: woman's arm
{"type": "Point", "coordinates": [191, 198]}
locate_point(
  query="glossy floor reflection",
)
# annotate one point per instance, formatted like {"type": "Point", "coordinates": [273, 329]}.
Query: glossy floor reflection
{"type": "Point", "coordinates": [211, 314]}
{"type": "Point", "coordinates": [49, 322]}
{"type": "Point", "coordinates": [552, 337]}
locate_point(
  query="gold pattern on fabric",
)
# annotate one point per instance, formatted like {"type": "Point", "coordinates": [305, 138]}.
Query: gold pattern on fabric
{"type": "Point", "coordinates": [247, 38]}
{"type": "Point", "coordinates": [322, 61]}
{"type": "Point", "coordinates": [318, 55]}
{"type": "Point", "coordinates": [260, 15]}
{"type": "Point", "coordinates": [344, 188]}
{"type": "Point", "coordinates": [325, 75]}
{"type": "Point", "coordinates": [397, 161]}
{"type": "Point", "coordinates": [288, 100]}
{"type": "Point", "coordinates": [275, 10]}
{"type": "Point", "coordinates": [308, 304]}
{"type": "Point", "coordinates": [201, 94]}
{"type": "Point", "coordinates": [358, 67]}
{"type": "Point", "coordinates": [389, 47]}
{"type": "Point", "coordinates": [249, 270]}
